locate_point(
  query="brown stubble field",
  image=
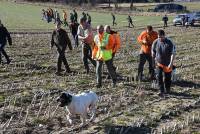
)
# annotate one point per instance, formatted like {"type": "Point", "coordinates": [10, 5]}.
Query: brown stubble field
{"type": "Point", "coordinates": [29, 89]}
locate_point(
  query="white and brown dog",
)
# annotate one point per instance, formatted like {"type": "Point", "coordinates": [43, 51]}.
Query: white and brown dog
{"type": "Point", "coordinates": [79, 104]}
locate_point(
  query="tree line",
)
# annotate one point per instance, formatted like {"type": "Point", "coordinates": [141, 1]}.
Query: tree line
{"type": "Point", "coordinates": [93, 2]}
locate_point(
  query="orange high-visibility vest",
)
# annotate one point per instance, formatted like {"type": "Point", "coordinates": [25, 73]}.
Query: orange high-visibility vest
{"type": "Point", "coordinates": [103, 47]}
{"type": "Point", "coordinates": [64, 15]}
{"type": "Point", "coordinates": [117, 42]}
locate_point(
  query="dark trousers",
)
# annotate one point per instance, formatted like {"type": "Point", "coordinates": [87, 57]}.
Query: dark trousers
{"type": "Point", "coordinates": [65, 22]}
{"type": "Point", "coordinates": [87, 55]}
{"type": "Point", "coordinates": [114, 23]}
{"type": "Point", "coordinates": [165, 24]}
{"type": "Point", "coordinates": [113, 56]}
{"type": "Point", "coordinates": [75, 36]}
{"type": "Point", "coordinates": [130, 24]}
{"type": "Point", "coordinates": [143, 59]}
{"type": "Point", "coordinates": [62, 59]}
{"type": "Point", "coordinates": [166, 84]}
{"type": "Point", "coordinates": [2, 51]}
{"type": "Point", "coordinates": [89, 22]}
{"type": "Point", "coordinates": [110, 68]}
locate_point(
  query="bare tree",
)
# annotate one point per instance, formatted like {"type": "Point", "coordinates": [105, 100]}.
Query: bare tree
{"type": "Point", "coordinates": [116, 4]}
{"type": "Point", "coordinates": [131, 5]}
{"type": "Point", "coordinates": [109, 3]}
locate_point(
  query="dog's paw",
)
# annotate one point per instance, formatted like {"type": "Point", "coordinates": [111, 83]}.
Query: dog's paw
{"type": "Point", "coordinates": [70, 121]}
{"type": "Point", "coordinates": [82, 124]}
{"type": "Point", "coordinates": [91, 119]}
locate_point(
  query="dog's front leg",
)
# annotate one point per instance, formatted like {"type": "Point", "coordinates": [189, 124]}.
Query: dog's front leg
{"type": "Point", "coordinates": [83, 119]}
{"type": "Point", "coordinates": [69, 118]}
{"type": "Point", "coordinates": [93, 110]}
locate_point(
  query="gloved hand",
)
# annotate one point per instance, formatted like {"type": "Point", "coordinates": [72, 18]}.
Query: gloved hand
{"type": "Point", "coordinates": [144, 41]}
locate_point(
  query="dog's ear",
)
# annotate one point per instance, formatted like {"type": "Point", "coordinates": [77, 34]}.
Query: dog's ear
{"type": "Point", "coordinates": [64, 95]}
{"type": "Point", "coordinates": [69, 96]}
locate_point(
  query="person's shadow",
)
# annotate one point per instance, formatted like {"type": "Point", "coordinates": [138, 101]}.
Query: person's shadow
{"type": "Point", "coordinates": [127, 130]}
{"type": "Point", "coordinates": [186, 84]}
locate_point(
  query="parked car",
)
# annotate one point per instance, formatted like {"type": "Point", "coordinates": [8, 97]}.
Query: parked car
{"type": "Point", "coordinates": [196, 18]}
{"type": "Point", "coordinates": [170, 7]}
{"type": "Point", "coordinates": [178, 20]}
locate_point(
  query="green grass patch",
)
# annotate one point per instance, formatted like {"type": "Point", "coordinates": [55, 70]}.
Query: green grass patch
{"type": "Point", "coordinates": [2, 98]}
{"type": "Point", "coordinates": [24, 16]}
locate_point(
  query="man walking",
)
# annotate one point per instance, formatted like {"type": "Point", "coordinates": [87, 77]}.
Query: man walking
{"type": "Point", "coordinates": [4, 36]}
{"type": "Point", "coordinates": [72, 20]}
{"type": "Point", "coordinates": [65, 18]}
{"type": "Point", "coordinates": [117, 42]}
{"type": "Point", "coordinates": [165, 19]}
{"type": "Point", "coordinates": [113, 19]}
{"type": "Point", "coordinates": [146, 39]}
{"type": "Point", "coordinates": [60, 39]}
{"type": "Point", "coordinates": [75, 16]}
{"type": "Point", "coordinates": [84, 15]}
{"type": "Point", "coordinates": [89, 19]}
{"type": "Point", "coordinates": [183, 20]}
{"type": "Point", "coordinates": [102, 52]}
{"type": "Point", "coordinates": [57, 17]}
{"type": "Point", "coordinates": [163, 50]}
{"type": "Point", "coordinates": [74, 28]}
{"type": "Point", "coordinates": [130, 21]}
{"type": "Point", "coordinates": [85, 36]}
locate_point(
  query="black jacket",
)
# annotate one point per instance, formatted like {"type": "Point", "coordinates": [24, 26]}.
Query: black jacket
{"type": "Point", "coordinates": [60, 39]}
{"type": "Point", "coordinates": [4, 34]}
{"type": "Point", "coordinates": [165, 18]}
{"type": "Point", "coordinates": [74, 28]}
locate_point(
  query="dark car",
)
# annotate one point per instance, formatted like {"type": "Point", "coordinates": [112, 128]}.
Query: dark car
{"type": "Point", "coordinates": [196, 17]}
{"type": "Point", "coordinates": [169, 8]}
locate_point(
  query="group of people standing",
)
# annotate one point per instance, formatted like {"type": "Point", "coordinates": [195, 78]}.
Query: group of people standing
{"type": "Point", "coordinates": [49, 15]}
{"type": "Point", "coordinates": [158, 50]}
{"type": "Point", "coordinates": [96, 49]}
{"type": "Point", "coordinates": [101, 48]}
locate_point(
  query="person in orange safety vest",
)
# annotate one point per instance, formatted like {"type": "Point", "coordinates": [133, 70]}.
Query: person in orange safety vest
{"type": "Point", "coordinates": [145, 39]}
{"type": "Point", "coordinates": [65, 18]}
{"type": "Point", "coordinates": [117, 43]}
{"type": "Point", "coordinates": [102, 52]}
